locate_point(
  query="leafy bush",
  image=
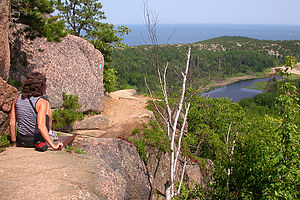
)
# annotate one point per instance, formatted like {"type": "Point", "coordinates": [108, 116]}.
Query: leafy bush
{"type": "Point", "coordinates": [17, 84]}
{"type": "Point", "coordinates": [4, 141]}
{"type": "Point", "coordinates": [151, 135]}
{"type": "Point", "coordinates": [68, 114]}
{"type": "Point", "coordinates": [110, 80]}
{"type": "Point", "coordinates": [141, 148]}
{"type": "Point", "coordinates": [188, 192]}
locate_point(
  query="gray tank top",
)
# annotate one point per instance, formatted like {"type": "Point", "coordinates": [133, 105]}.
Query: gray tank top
{"type": "Point", "coordinates": [26, 116]}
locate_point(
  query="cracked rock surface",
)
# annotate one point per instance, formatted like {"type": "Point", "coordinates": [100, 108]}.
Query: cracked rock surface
{"type": "Point", "coordinates": [28, 174]}
{"type": "Point", "coordinates": [110, 170]}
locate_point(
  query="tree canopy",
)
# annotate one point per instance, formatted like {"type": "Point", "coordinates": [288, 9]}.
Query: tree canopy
{"type": "Point", "coordinates": [36, 16]}
{"type": "Point", "coordinates": [80, 15]}
{"type": "Point", "coordinates": [83, 18]}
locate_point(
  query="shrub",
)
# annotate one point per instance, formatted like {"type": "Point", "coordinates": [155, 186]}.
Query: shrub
{"type": "Point", "coordinates": [4, 141]}
{"type": "Point", "coordinates": [17, 84]}
{"type": "Point", "coordinates": [64, 117]}
{"type": "Point", "coordinates": [110, 80]}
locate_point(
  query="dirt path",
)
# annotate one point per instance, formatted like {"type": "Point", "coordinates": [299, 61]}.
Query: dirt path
{"type": "Point", "coordinates": [126, 111]}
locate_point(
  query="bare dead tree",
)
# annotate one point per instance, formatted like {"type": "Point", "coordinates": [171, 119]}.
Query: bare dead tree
{"type": "Point", "coordinates": [171, 126]}
{"type": "Point", "coordinates": [229, 152]}
{"type": "Point", "coordinates": [173, 111]}
{"type": "Point", "coordinates": [172, 114]}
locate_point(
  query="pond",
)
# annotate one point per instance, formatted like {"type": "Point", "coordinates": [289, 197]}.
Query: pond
{"type": "Point", "coordinates": [236, 91]}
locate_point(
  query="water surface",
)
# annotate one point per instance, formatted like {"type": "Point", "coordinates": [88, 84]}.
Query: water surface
{"type": "Point", "coordinates": [236, 91]}
{"type": "Point", "coordinates": [190, 33]}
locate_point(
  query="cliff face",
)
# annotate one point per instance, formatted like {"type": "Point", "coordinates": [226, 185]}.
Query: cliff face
{"type": "Point", "coordinates": [72, 66]}
{"type": "Point", "coordinates": [4, 46]}
{"type": "Point", "coordinates": [7, 94]}
{"type": "Point", "coordinates": [158, 167]}
{"type": "Point", "coordinates": [127, 177]}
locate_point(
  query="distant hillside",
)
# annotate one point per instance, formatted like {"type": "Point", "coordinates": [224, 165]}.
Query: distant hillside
{"type": "Point", "coordinates": [214, 58]}
{"type": "Point", "coordinates": [276, 48]}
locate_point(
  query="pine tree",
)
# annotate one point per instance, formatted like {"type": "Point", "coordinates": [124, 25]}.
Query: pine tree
{"type": "Point", "coordinates": [83, 18]}
{"type": "Point", "coordinates": [80, 15]}
{"type": "Point", "coordinates": [36, 15]}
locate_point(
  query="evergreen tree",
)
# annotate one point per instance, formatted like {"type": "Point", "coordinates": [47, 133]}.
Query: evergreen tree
{"type": "Point", "coordinates": [83, 18]}
{"type": "Point", "coordinates": [36, 15]}
{"type": "Point", "coordinates": [80, 15]}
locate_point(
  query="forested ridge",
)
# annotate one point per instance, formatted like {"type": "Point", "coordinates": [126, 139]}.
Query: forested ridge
{"type": "Point", "coordinates": [253, 144]}
{"type": "Point", "coordinates": [213, 59]}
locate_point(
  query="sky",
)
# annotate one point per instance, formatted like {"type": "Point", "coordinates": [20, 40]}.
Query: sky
{"type": "Point", "coordinates": [204, 11]}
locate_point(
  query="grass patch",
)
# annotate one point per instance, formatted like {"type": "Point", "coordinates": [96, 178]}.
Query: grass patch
{"type": "Point", "coordinates": [4, 142]}
{"type": "Point", "coordinates": [263, 85]}
{"type": "Point", "coordinates": [294, 77]}
{"type": "Point", "coordinates": [136, 131]}
{"type": "Point", "coordinates": [259, 85]}
{"type": "Point", "coordinates": [141, 148]}
{"type": "Point", "coordinates": [76, 150]}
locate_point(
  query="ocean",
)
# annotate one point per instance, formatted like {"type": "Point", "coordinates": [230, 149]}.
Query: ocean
{"type": "Point", "coordinates": [190, 33]}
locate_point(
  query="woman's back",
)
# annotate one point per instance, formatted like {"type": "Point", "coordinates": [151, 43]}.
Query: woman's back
{"type": "Point", "coordinates": [26, 116]}
{"type": "Point", "coordinates": [34, 121]}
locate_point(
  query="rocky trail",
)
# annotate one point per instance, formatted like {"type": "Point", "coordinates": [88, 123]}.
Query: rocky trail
{"type": "Point", "coordinates": [110, 169]}
{"type": "Point", "coordinates": [127, 111]}
{"type": "Point", "coordinates": [124, 111]}
{"type": "Point", "coordinates": [28, 174]}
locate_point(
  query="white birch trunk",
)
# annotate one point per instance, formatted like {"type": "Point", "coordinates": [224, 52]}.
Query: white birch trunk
{"type": "Point", "coordinates": [173, 160]}
{"type": "Point", "coordinates": [171, 124]}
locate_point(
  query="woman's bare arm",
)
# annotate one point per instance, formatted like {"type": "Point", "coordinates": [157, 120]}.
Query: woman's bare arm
{"type": "Point", "coordinates": [41, 107]}
{"type": "Point", "coordinates": [12, 122]}
{"type": "Point", "coordinates": [49, 113]}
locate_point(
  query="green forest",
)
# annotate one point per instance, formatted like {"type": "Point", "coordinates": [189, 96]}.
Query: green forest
{"type": "Point", "coordinates": [253, 144]}
{"type": "Point", "coordinates": [211, 60]}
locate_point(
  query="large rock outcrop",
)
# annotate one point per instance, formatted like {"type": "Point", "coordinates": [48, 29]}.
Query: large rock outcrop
{"type": "Point", "coordinates": [4, 45]}
{"type": "Point", "coordinates": [128, 178]}
{"type": "Point", "coordinates": [72, 66]}
{"type": "Point", "coordinates": [110, 170]}
{"type": "Point", "coordinates": [158, 165]}
{"type": "Point", "coordinates": [7, 94]}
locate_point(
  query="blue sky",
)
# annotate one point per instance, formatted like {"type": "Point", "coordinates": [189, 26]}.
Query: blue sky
{"type": "Point", "coordinates": [205, 11]}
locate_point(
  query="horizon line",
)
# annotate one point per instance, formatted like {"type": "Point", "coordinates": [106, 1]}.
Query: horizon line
{"type": "Point", "coordinates": [210, 24]}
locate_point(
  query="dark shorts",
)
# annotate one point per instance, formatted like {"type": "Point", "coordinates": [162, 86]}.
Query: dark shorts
{"type": "Point", "coordinates": [30, 141]}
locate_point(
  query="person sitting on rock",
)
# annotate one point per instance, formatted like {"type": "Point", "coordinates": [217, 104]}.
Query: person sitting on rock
{"type": "Point", "coordinates": [33, 116]}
